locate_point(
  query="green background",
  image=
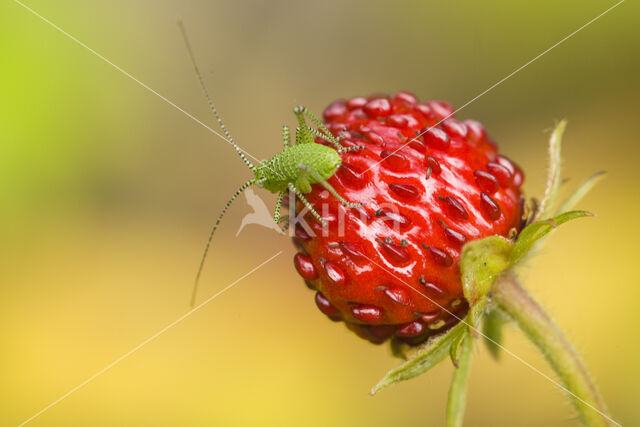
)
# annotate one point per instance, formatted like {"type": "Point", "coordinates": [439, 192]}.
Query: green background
{"type": "Point", "coordinates": [107, 193]}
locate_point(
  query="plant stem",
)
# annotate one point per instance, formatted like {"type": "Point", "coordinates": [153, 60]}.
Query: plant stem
{"type": "Point", "coordinates": [458, 391]}
{"type": "Point", "coordinates": [555, 347]}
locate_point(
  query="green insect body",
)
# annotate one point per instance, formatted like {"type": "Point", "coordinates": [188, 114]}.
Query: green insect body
{"type": "Point", "coordinates": [276, 173]}
{"type": "Point", "coordinates": [293, 169]}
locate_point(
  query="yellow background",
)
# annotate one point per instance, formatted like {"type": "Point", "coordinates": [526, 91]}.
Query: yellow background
{"type": "Point", "coordinates": [107, 193]}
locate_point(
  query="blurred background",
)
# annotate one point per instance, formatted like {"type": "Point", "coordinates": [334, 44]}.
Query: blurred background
{"type": "Point", "coordinates": [107, 194]}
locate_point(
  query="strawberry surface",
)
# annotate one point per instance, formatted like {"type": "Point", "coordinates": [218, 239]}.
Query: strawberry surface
{"type": "Point", "coordinates": [390, 267]}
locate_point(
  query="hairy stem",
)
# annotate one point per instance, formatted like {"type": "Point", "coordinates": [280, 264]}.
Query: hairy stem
{"type": "Point", "coordinates": [555, 347]}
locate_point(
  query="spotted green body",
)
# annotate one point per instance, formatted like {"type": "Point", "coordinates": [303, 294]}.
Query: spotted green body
{"type": "Point", "coordinates": [294, 165]}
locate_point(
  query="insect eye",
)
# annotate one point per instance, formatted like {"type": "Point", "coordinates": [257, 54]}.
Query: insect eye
{"type": "Point", "coordinates": [260, 183]}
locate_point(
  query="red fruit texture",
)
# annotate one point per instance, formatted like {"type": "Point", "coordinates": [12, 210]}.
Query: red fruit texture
{"type": "Point", "coordinates": [390, 268]}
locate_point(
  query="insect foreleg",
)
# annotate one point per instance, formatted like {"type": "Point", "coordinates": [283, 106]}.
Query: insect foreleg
{"type": "Point", "coordinates": [315, 214]}
{"type": "Point", "coordinates": [213, 230]}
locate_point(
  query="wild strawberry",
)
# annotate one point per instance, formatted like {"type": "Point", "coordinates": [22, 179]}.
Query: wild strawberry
{"type": "Point", "coordinates": [390, 267]}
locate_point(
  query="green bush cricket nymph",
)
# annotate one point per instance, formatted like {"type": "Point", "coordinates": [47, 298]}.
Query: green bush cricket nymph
{"type": "Point", "coordinates": [293, 169]}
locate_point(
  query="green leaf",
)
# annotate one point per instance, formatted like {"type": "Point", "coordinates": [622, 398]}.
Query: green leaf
{"type": "Point", "coordinates": [534, 232]}
{"type": "Point", "coordinates": [577, 195]}
{"type": "Point", "coordinates": [553, 176]}
{"type": "Point", "coordinates": [481, 262]}
{"type": "Point", "coordinates": [458, 391]}
{"type": "Point", "coordinates": [493, 325]}
{"type": "Point", "coordinates": [423, 358]}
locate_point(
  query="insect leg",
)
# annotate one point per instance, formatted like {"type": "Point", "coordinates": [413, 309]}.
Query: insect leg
{"type": "Point", "coordinates": [303, 136]}
{"type": "Point", "coordinates": [322, 130]}
{"type": "Point", "coordinates": [336, 142]}
{"type": "Point", "coordinates": [331, 139]}
{"type": "Point", "coordinates": [331, 190]}
{"type": "Point", "coordinates": [307, 204]}
{"type": "Point", "coordinates": [276, 213]}
{"type": "Point", "coordinates": [318, 124]}
{"type": "Point", "coordinates": [213, 230]}
{"type": "Point", "coordinates": [352, 148]}
{"type": "Point", "coordinates": [285, 136]}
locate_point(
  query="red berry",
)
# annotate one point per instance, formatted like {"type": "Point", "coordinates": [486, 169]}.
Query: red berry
{"type": "Point", "coordinates": [390, 267]}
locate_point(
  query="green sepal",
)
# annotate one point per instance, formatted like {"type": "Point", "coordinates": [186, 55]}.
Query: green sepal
{"type": "Point", "coordinates": [572, 200]}
{"type": "Point", "coordinates": [481, 262]}
{"type": "Point", "coordinates": [422, 358]}
{"type": "Point", "coordinates": [458, 391]}
{"type": "Point", "coordinates": [494, 323]}
{"type": "Point", "coordinates": [398, 348]}
{"type": "Point", "coordinates": [535, 231]}
{"type": "Point", "coordinates": [553, 176]}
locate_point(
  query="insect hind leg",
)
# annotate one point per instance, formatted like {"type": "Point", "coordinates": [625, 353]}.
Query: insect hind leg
{"type": "Point", "coordinates": [337, 195]}
{"type": "Point", "coordinates": [331, 190]}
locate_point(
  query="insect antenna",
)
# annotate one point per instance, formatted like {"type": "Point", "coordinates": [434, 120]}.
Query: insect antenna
{"type": "Point", "coordinates": [206, 94]}
{"type": "Point", "coordinates": [213, 230]}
